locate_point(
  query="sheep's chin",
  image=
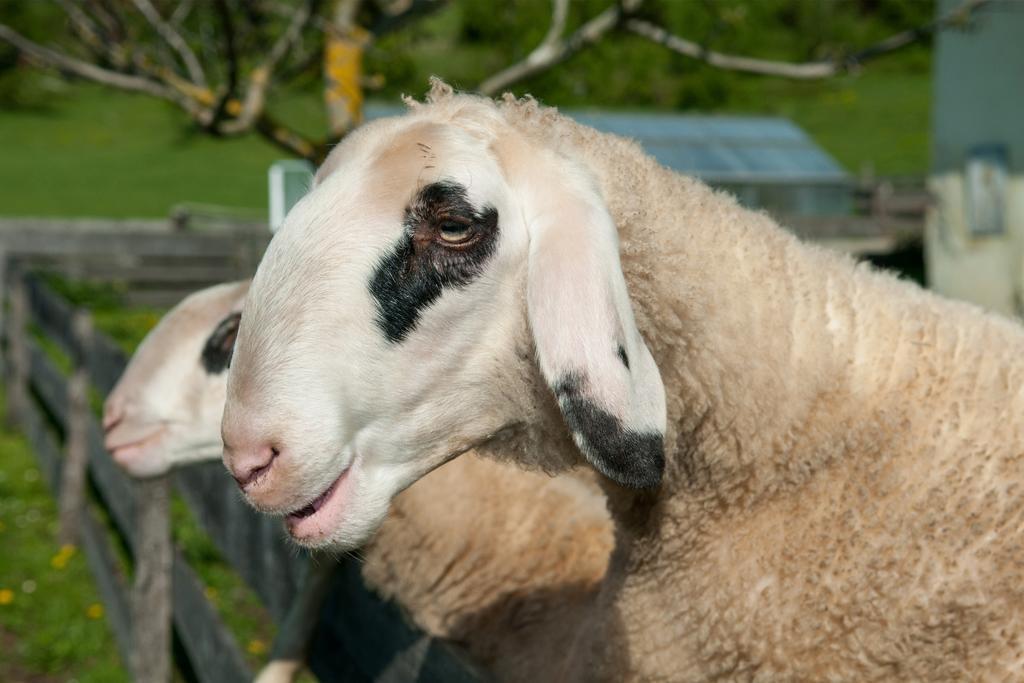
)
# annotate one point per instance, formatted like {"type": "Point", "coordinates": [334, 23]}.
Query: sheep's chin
{"type": "Point", "coordinates": [348, 513]}
{"type": "Point", "coordinates": [144, 459]}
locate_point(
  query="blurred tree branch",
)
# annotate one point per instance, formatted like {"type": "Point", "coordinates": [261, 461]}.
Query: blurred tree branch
{"type": "Point", "coordinates": [92, 72]}
{"type": "Point", "coordinates": [174, 40]}
{"type": "Point", "coordinates": [804, 70]}
{"type": "Point", "coordinates": [552, 49]}
{"type": "Point", "coordinates": [131, 46]}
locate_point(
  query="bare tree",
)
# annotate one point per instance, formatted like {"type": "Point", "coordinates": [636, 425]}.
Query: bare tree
{"type": "Point", "coordinates": [219, 60]}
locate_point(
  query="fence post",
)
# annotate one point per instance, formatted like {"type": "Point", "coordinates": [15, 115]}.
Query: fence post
{"type": "Point", "coordinates": [295, 633]}
{"type": "Point", "coordinates": [76, 442]}
{"type": "Point", "coordinates": [151, 593]}
{"type": "Point", "coordinates": [247, 253]}
{"type": "Point", "coordinates": [3, 304]}
{"type": "Point", "coordinates": [17, 350]}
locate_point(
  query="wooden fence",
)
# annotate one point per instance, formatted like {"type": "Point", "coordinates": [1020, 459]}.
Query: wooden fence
{"type": "Point", "coordinates": [156, 265]}
{"type": "Point", "coordinates": [358, 637]}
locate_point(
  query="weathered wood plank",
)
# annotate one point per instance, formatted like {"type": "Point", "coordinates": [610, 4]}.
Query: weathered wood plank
{"type": "Point", "coordinates": [4, 288]}
{"type": "Point", "coordinates": [48, 382]}
{"type": "Point", "coordinates": [817, 228]}
{"type": "Point", "coordinates": [104, 569]}
{"type": "Point", "coordinates": [105, 362]}
{"type": "Point", "coordinates": [295, 630]}
{"type": "Point", "coordinates": [169, 295]}
{"type": "Point", "coordinates": [151, 590]}
{"type": "Point", "coordinates": [30, 242]}
{"type": "Point", "coordinates": [76, 436]}
{"type": "Point", "coordinates": [45, 447]}
{"type": "Point", "coordinates": [59, 225]}
{"type": "Point", "coordinates": [180, 274]}
{"type": "Point", "coordinates": [199, 218]}
{"type": "Point", "coordinates": [18, 360]}
{"type": "Point", "coordinates": [214, 655]}
{"type": "Point", "coordinates": [52, 313]}
{"type": "Point", "coordinates": [255, 545]}
{"type": "Point", "coordinates": [115, 488]}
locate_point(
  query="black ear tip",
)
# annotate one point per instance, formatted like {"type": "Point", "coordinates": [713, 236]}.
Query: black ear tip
{"type": "Point", "coordinates": [638, 462]}
{"type": "Point", "coordinates": [650, 467]}
{"type": "Point", "coordinates": [632, 458]}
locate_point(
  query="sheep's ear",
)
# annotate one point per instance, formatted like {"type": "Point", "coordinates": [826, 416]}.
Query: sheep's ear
{"type": "Point", "coordinates": [589, 348]}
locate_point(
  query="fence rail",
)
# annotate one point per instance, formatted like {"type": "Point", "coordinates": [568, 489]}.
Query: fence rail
{"type": "Point", "coordinates": [157, 268]}
{"type": "Point", "coordinates": [358, 637]}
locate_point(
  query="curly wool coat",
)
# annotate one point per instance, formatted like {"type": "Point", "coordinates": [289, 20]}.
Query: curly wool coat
{"type": "Point", "coordinates": [842, 497]}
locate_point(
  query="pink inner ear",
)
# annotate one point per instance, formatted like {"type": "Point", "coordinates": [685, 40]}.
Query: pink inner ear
{"type": "Point", "coordinates": [578, 304]}
{"type": "Point", "coordinates": [576, 325]}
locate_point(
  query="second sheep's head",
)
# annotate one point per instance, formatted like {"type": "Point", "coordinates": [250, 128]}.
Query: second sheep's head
{"type": "Point", "coordinates": [165, 410]}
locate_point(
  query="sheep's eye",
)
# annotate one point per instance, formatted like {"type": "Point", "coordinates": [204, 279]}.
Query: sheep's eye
{"type": "Point", "coordinates": [455, 233]}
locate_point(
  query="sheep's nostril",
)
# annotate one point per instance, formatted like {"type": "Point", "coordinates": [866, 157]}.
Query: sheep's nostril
{"type": "Point", "coordinates": [253, 474]}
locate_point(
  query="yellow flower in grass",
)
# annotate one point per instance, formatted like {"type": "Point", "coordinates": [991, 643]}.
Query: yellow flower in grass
{"type": "Point", "coordinates": [256, 647]}
{"type": "Point", "coordinates": [6, 596]}
{"type": "Point", "coordinates": [94, 611]}
{"type": "Point", "coordinates": [211, 593]}
{"type": "Point", "coordinates": [61, 559]}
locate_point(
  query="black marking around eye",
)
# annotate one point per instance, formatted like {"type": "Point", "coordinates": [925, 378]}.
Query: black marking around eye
{"type": "Point", "coordinates": [632, 458]}
{"type": "Point", "coordinates": [216, 355]}
{"type": "Point", "coordinates": [414, 273]}
{"type": "Point", "coordinates": [623, 357]}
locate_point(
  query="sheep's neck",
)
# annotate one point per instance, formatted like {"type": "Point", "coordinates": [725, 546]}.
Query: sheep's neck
{"type": "Point", "coordinates": [754, 343]}
{"type": "Point", "coordinates": [786, 373]}
{"type": "Point", "coordinates": [790, 373]}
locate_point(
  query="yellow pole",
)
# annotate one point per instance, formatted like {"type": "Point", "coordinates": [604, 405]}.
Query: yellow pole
{"type": "Point", "coordinates": [343, 69]}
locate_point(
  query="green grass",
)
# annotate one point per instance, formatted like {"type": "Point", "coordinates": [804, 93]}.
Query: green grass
{"type": "Point", "coordinates": [52, 626]}
{"type": "Point", "coordinates": [95, 152]}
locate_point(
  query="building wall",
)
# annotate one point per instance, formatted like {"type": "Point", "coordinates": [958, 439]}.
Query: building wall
{"type": "Point", "coordinates": [974, 238]}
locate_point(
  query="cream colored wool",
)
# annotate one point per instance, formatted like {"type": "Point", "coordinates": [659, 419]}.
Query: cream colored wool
{"type": "Point", "coordinates": [842, 499]}
{"type": "Point", "coordinates": [496, 559]}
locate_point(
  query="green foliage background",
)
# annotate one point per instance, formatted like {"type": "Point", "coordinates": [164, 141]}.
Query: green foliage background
{"type": "Point", "coordinates": [473, 39]}
{"type": "Point", "coordinates": [75, 149]}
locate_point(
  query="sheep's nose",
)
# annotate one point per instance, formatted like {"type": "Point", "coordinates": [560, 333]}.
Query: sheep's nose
{"type": "Point", "coordinates": [113, 412]}
{"type": "Point", "coordinates": [249, 463]}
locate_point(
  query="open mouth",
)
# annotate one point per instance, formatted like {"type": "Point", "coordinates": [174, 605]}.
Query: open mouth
{"type": "Point", "coordinates": [310, 520]}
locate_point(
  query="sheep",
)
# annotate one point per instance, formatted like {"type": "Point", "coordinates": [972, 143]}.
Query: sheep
{"type": "Point", "coordinates": [478, 552]}
{"type": "Point", "coordinates": [165, 409]}
{"type": "Point", "coordinates": [812, 466]}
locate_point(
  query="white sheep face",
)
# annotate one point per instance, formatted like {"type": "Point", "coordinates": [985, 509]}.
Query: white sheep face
{"type": "Point", "coordinates": [166, 408]}
{"type": "Point", "coordinates": [396, 318]}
